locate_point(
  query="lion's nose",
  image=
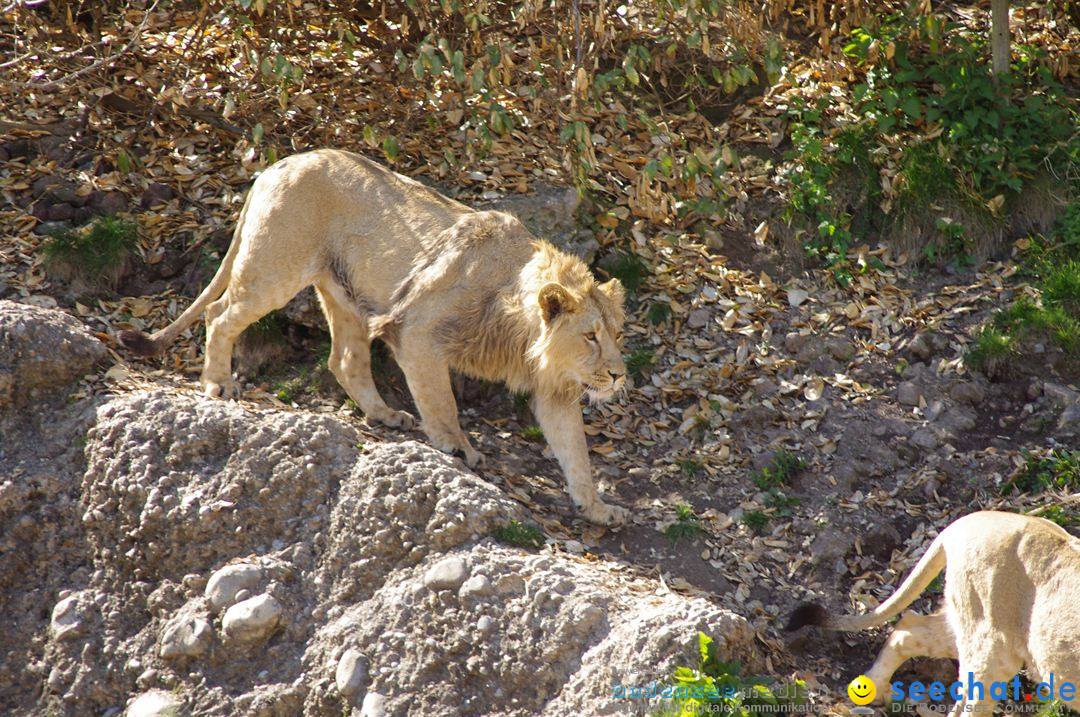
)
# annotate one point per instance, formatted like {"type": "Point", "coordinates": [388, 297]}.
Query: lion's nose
{"type": "Point", "coordinates": [614, 375]}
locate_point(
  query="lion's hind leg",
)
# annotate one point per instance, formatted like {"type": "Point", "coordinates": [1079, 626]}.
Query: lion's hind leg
{"type": "Point", "coordinates": [914, 636]}
{"type": "Point", "coordinates": [350, 358]}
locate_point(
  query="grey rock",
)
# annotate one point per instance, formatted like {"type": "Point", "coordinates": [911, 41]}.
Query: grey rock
{"type": "Point", "coordinates": [156, 703]}
{"type": "Point", "coordinates": [374, 705]}
{"type": "Point", "coordinates": [924, 438]}
{"type": "Point", "coordinates": [154, 194]}
{"type": "Point", "coordinates": [794, 341]}
{"type": "Point", "coordinates": [304, 309]}
{"type": "Point", "coordinates": [46, 229]}
{"type": "Point", "coordinates": [549, 213]}
{"type": "Point", "coordinates": [185, 636]}
{"type": "Point", "coordinates": [957, 420]}
{"type": "Point", "coordinates": [351, 673]}
{"type": "Point", "coordinates": [1069, 421]}
{"type": "Point", "coordinates": [933, 410]}
{"type": "Point", "coordinates": [477, 586]}
{"type": "Point", "coordinates": [881, 540]}
{"type": "Point", "coordinates": [1060, 395]}
{"type": "Point", "coordinates": [968, 392]}
{"type": "Point", "coordinates": [908, 393]}
{"type": "Point", "coordinates": [840, 349]}
{"type": "Point", "coordinates": [225, 583]}
{"type": "Point", "coordinates": [485, 624]}
{"type": "Point", "coordinates": [252, 619]}
{"type": "Point", "coordinates": [698, 318]}
{"type": "Point", "coordinates": [42, 352]}
{"type": "Point", "coordinates": [62, 212]}
{"type": "Point", "coordinates": [69, 619]}
{"type": "Point", "coordinates": [447, 574]}
{"type": "Point", "coordinates": [925, 345]}
{"type": "Point", "coordinates": [108, 202]}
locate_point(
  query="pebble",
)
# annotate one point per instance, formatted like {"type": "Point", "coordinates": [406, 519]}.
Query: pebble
{"type": "Point", "coordinates": [968, 392]}
{"type": "Point", "coordinates": [351, 673]}
{"type": "Point", "coordinates": [1069, 421]}
{"type": "Point", "coordinates": [186, 637]}
{"type": "Point", "coordinates": [447, 574]}
{"type": "Point", "coordinates": [226, 582]}
{"type": "Point", "coordinates": [474, 587]}
{"type": "Point", "coordinates": [252, 619]}
{"type": "Point", "coordinates": [68, 621]}
{"type": "Point", "coordinates": [908, 393]}
{"type": "Point", "coordinates": [374, 705]}
{"type": "Point", "coordinates": [485, 624]}
{"type": "Point", "coordinates": [924, 438]}
{"type": "Point", "coordinates": [933, 410]}
{"type": "Point", "coordinates": [698, 318]}
{"type": "Point", "coordinates": [156, 703]}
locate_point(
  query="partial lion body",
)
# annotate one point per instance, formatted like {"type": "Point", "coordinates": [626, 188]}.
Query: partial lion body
{"type": "Point", "coordinates": [1010, 602]}
{"type": "Point", "coordinates": [446, 286]}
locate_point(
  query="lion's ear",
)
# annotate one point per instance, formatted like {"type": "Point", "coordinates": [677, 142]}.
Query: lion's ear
{"type": "Point", "coordinates": [614, 290]}
{"type": "Point", "coordinates": [554, 300]}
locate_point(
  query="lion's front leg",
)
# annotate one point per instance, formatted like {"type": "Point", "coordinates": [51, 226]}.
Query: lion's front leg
{"type": "Point", "coordinates": [429, 383]}
{"type": "Point", "coordinates": [565, 433]}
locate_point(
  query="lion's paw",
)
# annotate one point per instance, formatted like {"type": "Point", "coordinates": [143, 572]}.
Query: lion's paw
{"type": "Point", "coordinates": [602, 513]}
{"type": "Point", "coordinates": [399, 419]}
{"type": "Point", "coordinates": [224, 389]}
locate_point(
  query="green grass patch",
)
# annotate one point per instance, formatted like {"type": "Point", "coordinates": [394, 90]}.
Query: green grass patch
{"type": "Point", "coordinates": [782, 467]}
{"type": "Point", "coordinates": [686, 525]}
{"type": "Point", "coordinates": [639, 362]}
{"type": "Point", "coordinates": [659, 312]}
{"type": "Point", "coordinates": [518, 534]}
{"type": "Point", "coordinates": [96, 254]}
{"type": "Point", "coordinates": [755, 520]}
{"type": "Point", "coordinates": [991, 353]}
{"type": "Point", "coordinates": [628, 268]}
{"type": "Point", "coordinates": [535, 434]}
{"type": "Point", "coordinates": [690, 467]}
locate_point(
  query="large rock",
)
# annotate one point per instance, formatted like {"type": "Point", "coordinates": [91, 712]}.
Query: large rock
{"type": "Point", "coordinates": [42, 352]}
{"type": "Point", "coordinates": [322, 560]}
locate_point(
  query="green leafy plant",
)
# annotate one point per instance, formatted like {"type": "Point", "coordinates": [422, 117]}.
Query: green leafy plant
{"type": "Point", "coordinates": [755, 520]}
{"type": "Point", "coordinates": [518, 534]}
{"type": "Point", "coordinates": [1060, 468]}
{"type": "Point", "coordinates": [659, 312]}
{"type": "Point", "coordinates": [716, 686]}
{"type": "Point", "coordinates": [96, 254]}
{"type": "Point", "coordinates": [686, 525]}
{"type": "Point", "coordinates": [991, 352]}
{"type": "Point", "coordinates": [690, 467]}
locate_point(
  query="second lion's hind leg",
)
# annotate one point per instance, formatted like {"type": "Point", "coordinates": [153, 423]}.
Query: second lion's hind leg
{"type": "Point", "coordinates": [914, 636]}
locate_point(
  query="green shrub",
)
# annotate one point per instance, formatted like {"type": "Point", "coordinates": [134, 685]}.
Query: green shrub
{"type": "Point", "coordinates": [1059, 469]}
{"type": "Point", "coordinates": [521, 535]}
{"type": "Point", "coordinates": [686, 525]}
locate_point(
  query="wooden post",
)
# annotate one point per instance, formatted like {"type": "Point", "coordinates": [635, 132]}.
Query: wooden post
{"type": "Point", "coordinates": [999, 36]}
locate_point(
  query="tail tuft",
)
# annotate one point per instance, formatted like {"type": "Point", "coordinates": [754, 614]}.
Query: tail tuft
{"type": "Point", "coordinates": [809, 613]}
{"type": "Point", "coordinates": [139, 343]}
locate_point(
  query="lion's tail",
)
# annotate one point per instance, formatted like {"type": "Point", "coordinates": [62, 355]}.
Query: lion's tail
{"type": "Point", "coordinates": [928, 567]}
{"type": "Point", "coordinates": [139, 343]}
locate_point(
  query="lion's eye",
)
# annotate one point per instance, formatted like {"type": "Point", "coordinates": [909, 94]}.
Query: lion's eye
{"type": "Point", "coordinates": [590, 336]}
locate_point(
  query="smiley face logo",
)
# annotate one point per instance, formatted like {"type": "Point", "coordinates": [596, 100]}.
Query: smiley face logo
{"type": "Point", "coordinates": [862, 690]}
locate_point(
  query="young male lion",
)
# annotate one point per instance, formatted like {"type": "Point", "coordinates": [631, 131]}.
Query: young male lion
{"type": "Point", "coordinates": [1010, 602]}
{"type": "Point", "coordinates": [448, 287]}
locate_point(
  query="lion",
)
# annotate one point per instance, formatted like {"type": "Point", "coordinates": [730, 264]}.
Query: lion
{"type": "Point", "coordinates": [1010, 603]}
{"type": "Point", "coordinates": [446, 287]}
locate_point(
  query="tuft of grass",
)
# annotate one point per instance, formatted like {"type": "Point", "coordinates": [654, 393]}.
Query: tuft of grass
{"type": "Point", "coordinates": [659, 312]}
{"type": "Point", "coordinates": [1060, 468]}
{"type": "Point", "coordinates": [95, 254]}
{"type": "Point", "coordinates": [534, 434]}
{"type": "Point", "coordinates": [686, 525]}
{"type": "Point", "coordinates": [755, 520]}
{"type": "Point", "coordinates": [991, 353]}
{"type": "Point", "coordinates": [639, 362]}
{"type": "Point", "coordinates": [781, 469]}
{"type": "Point", "coordinates": [690, 467]}
{"type": "Point", "coordinates": [1061, 288]}
{"type": "Point", "coordinates": [628, 268]}
{"type": "Point", "coordinates": [518, 534]}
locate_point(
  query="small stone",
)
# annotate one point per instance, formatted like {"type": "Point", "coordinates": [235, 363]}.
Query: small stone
{"type": "Point", "coordinates": [351, 673]}
{"type": "Point", "coordinates": [841, 349]}
{"type": "Point", "coordinates": [794, 341]}
{"type": "Point", "coordinates": [574, 547]}
{"type": "Point", "coordinates": [475, 587]}
{"type": "Point", "coordinates": [252, 619]}
{"type": "Point", "coordinates": [45, 229]}
{"type": "Point", "coordinates": [924, 438]}
{"type": "Point", "coordinates": [155, 193]}
{"type": "Point", "coordinates": [698, 318]}
{"type": "Point", "coordinates": [61, 212]}
{"type": "Point", "coordinates": [934, 410]}
{"type": "Point", "coordinates": [109, 202]}
{"type": "Point", "coordinates": [374, 705]}
{"type": "Point", "coordinates": [968, 392]}
{"type": "Point", "coordinates": [908, 393]}
{"type": "Point", "coordinates": [1069, 421]}
{"type": "Point", "coordinates": [485, 624]}
{"type": "Point", "coordinates": [226, 582]}
{"type": "Point", "coordinates": [156, 703]}
{"type": "Point", "coordinates": [185, 637]}
{"type": "Point", "coordinates": [447, 574]}
{"type": "Point", "coordinates": [68, 621]}
{"type": "Point", "coordinates": [1060, 395]}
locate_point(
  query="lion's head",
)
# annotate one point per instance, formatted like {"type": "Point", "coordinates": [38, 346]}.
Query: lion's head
{"type": "Point", "coordinates": [581, 342]}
